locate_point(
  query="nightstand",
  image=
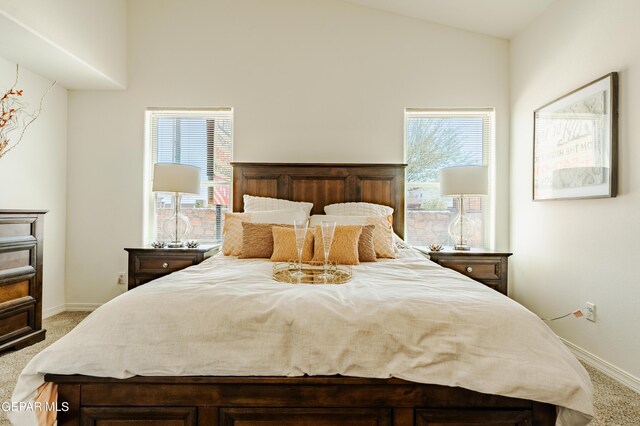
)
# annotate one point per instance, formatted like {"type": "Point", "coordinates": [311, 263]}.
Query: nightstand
{"type": "Point", "coordinates": [486, 266]}
{"type": "Point", "coordinates": [148, 263]}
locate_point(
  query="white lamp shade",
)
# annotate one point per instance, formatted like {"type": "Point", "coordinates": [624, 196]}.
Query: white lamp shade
{"type": "Point", "coordinates": [464, 180]}
{"type": "Point", "coordinates": [171, 177]}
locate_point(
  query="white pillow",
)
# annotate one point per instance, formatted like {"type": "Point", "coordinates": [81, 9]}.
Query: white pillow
{"type": "Point", "coordinates": [400, 244]}
{"type": "Point", "coordinates": [358, 209]}
{"type": "Point", "coordinates": [280, 217]}
{"type": "Point", "coordinates": [339, 220]}
{"type": "Point", "coordinates": [257, 204]}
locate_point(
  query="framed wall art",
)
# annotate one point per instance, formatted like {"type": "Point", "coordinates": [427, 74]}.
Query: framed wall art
{"type": "Point", "coordinates": [575, 143]}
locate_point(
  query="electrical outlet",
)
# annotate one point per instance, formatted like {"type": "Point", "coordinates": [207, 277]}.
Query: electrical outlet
{"type": "Point", "coordinates": [121, 278]}
{"type": "Point", "coordinates": [590, 311]}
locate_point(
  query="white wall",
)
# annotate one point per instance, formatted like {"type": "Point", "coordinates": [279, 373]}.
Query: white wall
{"type": "Point", "coordinates": [80, 43]}
{"type": "Point", "coordinates": [309, 81]}
{"type": "Point", "coordinates": [569, 252]}
{"type": "Point", "coordinates": [34, 174]}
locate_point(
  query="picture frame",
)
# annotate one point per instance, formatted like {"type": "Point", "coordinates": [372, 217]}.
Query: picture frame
{"type": "Point", "coordinates": [575, 143]}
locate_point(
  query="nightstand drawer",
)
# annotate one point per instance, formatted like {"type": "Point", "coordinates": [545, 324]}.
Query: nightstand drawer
{"type": "Point", "coordinates": [494, 284]}
{"type": "Point", "coordinates": [143, 279]}
{"type": "Point", "coordinates": [147, 263]}
{"type": "Point", "coordinates": [489, 267]}
{"type": "Point", "coordinates": [162, 264]}
{"type": "Point", "coordinates": [479, 269]}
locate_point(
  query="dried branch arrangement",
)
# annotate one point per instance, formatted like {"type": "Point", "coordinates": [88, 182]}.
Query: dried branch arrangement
{"type": "Point", "coordinates": [15, 116]}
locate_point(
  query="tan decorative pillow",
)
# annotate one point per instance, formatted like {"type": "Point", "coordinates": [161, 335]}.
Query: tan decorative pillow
{"type": "Point", "coordinates": [232, 233]}
{"type": "Point", "coordinates": [382, 237]}
{"type": "Point", "coordinates": [366, 248]}
{"type": "Point", "coordinates": [284, 245]}
{"type": "Point", "coordinates": [344, 248]}
{"type": "Point", "coordinates": [257, 240]}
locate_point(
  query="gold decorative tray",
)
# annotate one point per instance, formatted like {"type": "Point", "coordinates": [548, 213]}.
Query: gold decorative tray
{"type": "Point", "coordinates": [339, 274]}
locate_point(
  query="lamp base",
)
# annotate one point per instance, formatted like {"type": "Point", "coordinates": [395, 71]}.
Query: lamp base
{"type": "Point", "coordinates": [177, 226]}
{"type": "Point", "coordinates": [462, 226]}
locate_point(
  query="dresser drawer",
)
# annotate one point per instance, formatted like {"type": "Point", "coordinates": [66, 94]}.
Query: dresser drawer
{"type": "Point", "coordinates": [21, 246]}
{"type": "Point", "coordinates": [153, 264]}
{"type": "Point", "coordinates": [15, 290]}
{"type": "Point", "coordinates": [17, 257]}
{"type": "Point", "coordinates": [17, 321]}
{"type": "Point", "coordinates": [478, 269]}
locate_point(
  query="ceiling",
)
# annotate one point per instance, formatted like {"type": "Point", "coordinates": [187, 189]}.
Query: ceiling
{"type": "Point", "coordinates": [498, 18]}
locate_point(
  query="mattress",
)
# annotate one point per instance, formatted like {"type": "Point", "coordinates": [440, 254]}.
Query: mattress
{"type": "Point", "coordinates": [407, 318]}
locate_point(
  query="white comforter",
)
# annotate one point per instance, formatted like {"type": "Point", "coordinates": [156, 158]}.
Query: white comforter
{"type": "Point", "coordinates": [407, 318]}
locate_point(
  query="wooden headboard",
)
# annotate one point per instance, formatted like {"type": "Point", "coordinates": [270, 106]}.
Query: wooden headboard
{"type": "Point", "coordinates": [323, 184]}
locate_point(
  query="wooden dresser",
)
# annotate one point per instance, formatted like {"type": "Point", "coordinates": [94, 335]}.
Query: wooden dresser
{"type": "Point", "coordinates": [21, 278]}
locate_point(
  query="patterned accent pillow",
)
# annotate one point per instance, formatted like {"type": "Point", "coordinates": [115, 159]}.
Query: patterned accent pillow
{"type": "Point", "coordinates": [284, 245]}
{"type": "Point", "coordinates": [255, 204]}
{"type": "Point", "coordinates": [366, 247]}
{"type": "Point", "coordinates": [358, 209]}
{"type": "Point", "coordinates": [344, 247]}
{"type": "Point", "coordinates": [383, 237]}
{"type": "Point", "coordinates": [232, 227]}
{"type": "Point", "coordinates": [257, 240]}
{"type": "Point", "coordinates": [232, 233]}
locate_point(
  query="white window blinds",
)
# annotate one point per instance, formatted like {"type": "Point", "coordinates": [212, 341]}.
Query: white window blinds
{"type": "Point", "coordinates": [201, 138]}
{"type": "Point", "coordinates": [435, 139]}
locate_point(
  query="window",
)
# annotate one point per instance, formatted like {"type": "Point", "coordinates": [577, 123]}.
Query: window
{"type": "Point", "coordinates": [435, 139]}
{"type": "Point", "coordinates": [199, 138]}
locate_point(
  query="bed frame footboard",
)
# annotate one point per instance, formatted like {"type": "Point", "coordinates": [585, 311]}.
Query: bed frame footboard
{"type": "Point", "coordinates": [263, 401]}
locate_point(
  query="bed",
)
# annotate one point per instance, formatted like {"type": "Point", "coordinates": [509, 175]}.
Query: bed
{"type": "Point", "coordinates": [285, 369]}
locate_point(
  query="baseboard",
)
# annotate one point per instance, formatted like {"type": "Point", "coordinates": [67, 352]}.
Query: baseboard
{"type": "Point", "coordinates": [82, 306]}
{"type": "Point", "coordinates": [77, 307]}
{"type": "Point", "coordinates": [46, 313]}
{"type": "Point", "coordinates": [605, 367]}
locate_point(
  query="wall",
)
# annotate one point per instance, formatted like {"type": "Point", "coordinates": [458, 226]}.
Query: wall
{"type": "Point", "coordinates": [309, 81]}
{"type": "Point", "coordinates": [80, 43]}
{"type": "Point", "coordinates": [569, 252]}
{"type": "Point", "coordinates": [34, 174]}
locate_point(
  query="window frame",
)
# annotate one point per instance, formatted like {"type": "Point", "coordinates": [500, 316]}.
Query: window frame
{"type": "Point", "coordinates": [489, 160]}
{"type": "Point", "coordinates": [149, 212]}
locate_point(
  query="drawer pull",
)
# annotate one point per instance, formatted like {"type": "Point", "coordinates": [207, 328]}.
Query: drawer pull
{"type": "Point", "coordinates": [469, 269]}
{"type": "Point", "coordinates": [165, 265]}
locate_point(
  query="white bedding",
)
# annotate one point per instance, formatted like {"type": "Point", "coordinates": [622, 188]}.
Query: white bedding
{"type": "Point", "coordinates": [407, 318]}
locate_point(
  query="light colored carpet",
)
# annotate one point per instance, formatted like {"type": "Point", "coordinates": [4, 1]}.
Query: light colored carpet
{"type": "Point", "coordinates": [615, 404]}
{"type": "Point", "coordinates": [12, 363]}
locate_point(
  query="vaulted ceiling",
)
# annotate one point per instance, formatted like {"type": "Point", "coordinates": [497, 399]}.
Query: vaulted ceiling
{"type": "Point", "coordinates": [61, 49]}
{"type": "Point", "coordinates": [498, 18]}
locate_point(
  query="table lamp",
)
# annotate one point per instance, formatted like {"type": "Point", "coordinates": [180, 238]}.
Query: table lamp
{"type": "Point", "coordinates": [461, 181]}
{"type": "Point", "coordinates": [178, 179]}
